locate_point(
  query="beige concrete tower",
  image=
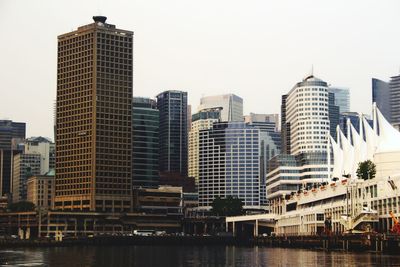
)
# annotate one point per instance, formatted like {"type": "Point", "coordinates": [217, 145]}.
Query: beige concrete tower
{"type": "Point", "coordinates": [94, 119]}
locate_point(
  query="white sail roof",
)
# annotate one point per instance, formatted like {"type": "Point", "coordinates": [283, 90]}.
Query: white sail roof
{"type": "Point", "coordinates": [360, 149]}
{"type": "Point", "coordinates": [389, 137]}
{"type": "Point", "coordinates": [348, 152]}
{"type": "Point", "coordinates": [371, 139]}
{"type": "Point", "coordinates": [337, 159]}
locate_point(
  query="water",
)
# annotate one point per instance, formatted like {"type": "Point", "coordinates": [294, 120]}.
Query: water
{"type": "Point", "coordinates": [177, 256]}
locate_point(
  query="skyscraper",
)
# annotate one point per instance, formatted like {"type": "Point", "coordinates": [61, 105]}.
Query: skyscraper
{"type": "Point", "coordinates": [232, 162]}
{"type": "Point", "coordinates": [334, 114]}
{"type": "Point", "coordinates": [342, 98]}
{"type": "Point", "coordinates": [202, 120]}
{"type": "Point", "coordinates": [285, 127]}
{"type": "Point", "coordinates": [394, 86]}
{"type": "Point", "coordinates": [305, 117]}
{"type": "Point", "coordinates": [10, 132]}
{"type": "Point", "coordinates": [232, 106]}
{"type": "Point", "coordinates": [24, 167]}
{"type": "Point", "coordinates": [381, 96]}
{"type": "Point", "coordinates": [94, 119]}
{"type": "Point", "coordinates": [146, 123]}
{"type": "Point", "coordinates": [173, 131]}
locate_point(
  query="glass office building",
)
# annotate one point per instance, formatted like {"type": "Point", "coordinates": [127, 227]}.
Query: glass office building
{"type": "Point", "coordinates": [381, 96]}
{"type": "Point", "coordinates": [342, 98]}
{"type": "Point", "coordinates": [173, 135]}
{"type": "Point", "coordinates": [145, 144]}
{"type": "Point", "coordinates": [9, 131]}
{"type": "Point", "coordinates": [232, 162]}
{"type": "Point", "coordinates": [394, 86]}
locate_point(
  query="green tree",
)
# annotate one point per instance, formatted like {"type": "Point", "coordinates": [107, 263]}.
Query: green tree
{"type": "Point", "coordinates": [366, 170]}
{"type": "Point", "coordinates": [21, 206]}
{"type": "Point", "coordinates": [229, 206]}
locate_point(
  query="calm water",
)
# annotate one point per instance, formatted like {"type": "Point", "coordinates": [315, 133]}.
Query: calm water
{"type": "Point", "coordinates": [188, 256]}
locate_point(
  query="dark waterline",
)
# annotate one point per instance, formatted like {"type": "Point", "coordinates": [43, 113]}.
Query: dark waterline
{"type": "Point", "coordinates": [178, 256]}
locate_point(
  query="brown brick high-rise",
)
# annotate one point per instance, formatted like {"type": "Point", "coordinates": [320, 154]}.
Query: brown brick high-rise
{"type": "Point", "coordinates": [94, 119]}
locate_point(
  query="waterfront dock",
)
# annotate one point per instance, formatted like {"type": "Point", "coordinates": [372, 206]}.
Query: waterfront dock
{"type": "Point", "coordinates": [349, 242]}
{"type": "Point", "coordinates": [378, 243]}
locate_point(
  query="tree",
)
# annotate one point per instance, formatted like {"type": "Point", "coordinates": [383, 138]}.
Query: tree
{"type": "Point", "coordinates": [366, 170]}
{"type": "Point", "coordinates": [229, 206]}
{"type": "Point", "coordinates": [21, 206]}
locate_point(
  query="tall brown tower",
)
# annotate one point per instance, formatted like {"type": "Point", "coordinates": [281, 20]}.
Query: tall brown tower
{"type": "Point", "coordinates": [94, 119]}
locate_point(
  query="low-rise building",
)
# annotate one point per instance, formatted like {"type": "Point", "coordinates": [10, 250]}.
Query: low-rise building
{"type": "Point", "coordinates": [40, 190]}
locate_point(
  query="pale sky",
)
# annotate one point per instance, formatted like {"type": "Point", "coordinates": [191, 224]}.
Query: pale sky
{"type": "Point", "coordinates": [257, 49]}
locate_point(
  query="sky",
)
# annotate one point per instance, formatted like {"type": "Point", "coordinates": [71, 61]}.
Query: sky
{"type": "Point", "coordinates": [257, 49]}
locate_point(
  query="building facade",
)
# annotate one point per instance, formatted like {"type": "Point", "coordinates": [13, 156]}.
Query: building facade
{"type": "Point", "coordinates": [173, 135]}
{"type": "Point", "coordinates": [334, 115]}
{"type": "Point", "coordinates": [264, 119]}
{"type": "Point", "coordinates": [41, 189]}
{"type": "Point", "coordinates": [94, 119]}
{"type": "Point", "coordinates": [232, 162]}
{"type": "Point", "coordinates": [46, 149]}
{"type": "Point", "coordinates": [381, 96]}
{"type": "Point", "coordinates": [202, 120]}
{"type": "Point", "coordinates": [10, 134]}
{"type": "Point", "coordinates": [24, 166]}
{"type": "Point", "coordinates": [394, 86]}
{"type": "Point", "coordinates": [305, 117]}
{"type": "Point", "coordinates": [232, 106]}
{"type": "Point", "coordinates": [145, 144]}
{"type": "Point", "coordinates": [288, 173]}
{"type": "Point", "coordinates": [342, 98]}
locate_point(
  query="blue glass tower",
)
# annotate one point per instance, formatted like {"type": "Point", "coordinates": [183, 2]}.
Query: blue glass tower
{"type": "Point", "coordinates": [173, 135]}
{"type": "Point", "coordinates": [145, 144]}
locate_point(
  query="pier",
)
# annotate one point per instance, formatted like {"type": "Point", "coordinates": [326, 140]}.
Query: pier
{"type": "Point", "coordinates": [348, 242]}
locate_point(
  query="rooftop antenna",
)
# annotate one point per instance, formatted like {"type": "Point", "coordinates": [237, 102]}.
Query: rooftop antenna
{"type": "Point", "coordinates": [312, 69]}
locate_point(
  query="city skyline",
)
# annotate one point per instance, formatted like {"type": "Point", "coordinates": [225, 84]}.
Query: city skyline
{"type": "Point", "coordinates": [247, 50]}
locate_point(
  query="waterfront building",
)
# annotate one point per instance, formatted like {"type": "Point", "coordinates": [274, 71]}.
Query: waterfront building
{"type": "Point", "coordinates": [350, 203]}
{"type": "Point", "coordinates": [202, 120]}
{"type": "Point", "coordinates": [289, 173]}
{"type": "Point", "coordinates": [309, 117]}
{"type": "Point", "coordinates": [173, 135]}
{"type": "Point", "coordinates": [24, 166]}
{"type": "Point", "coordinates": [231, 104]}
{"type": "Point", "coordinates": [40, 190]}
{"type": "Point", "coordinates": [381, 96]}
{"type": "Point", "coordinates": [232, 162]}
{"type": "Point", "coordinates": [305, 117]}
{"type": "Point", "coordinates": [394, 86]}
{"type": "Point", "coordinates": [10, 134]}
{"type": "Point", "coordinates": [342, 98]}
{"type": "Point", "coordinates": [164, 200]}
{"type": "Point", "coordinates": [145, 144]}
{"type": "Point", "coordinates": [94, 119]}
